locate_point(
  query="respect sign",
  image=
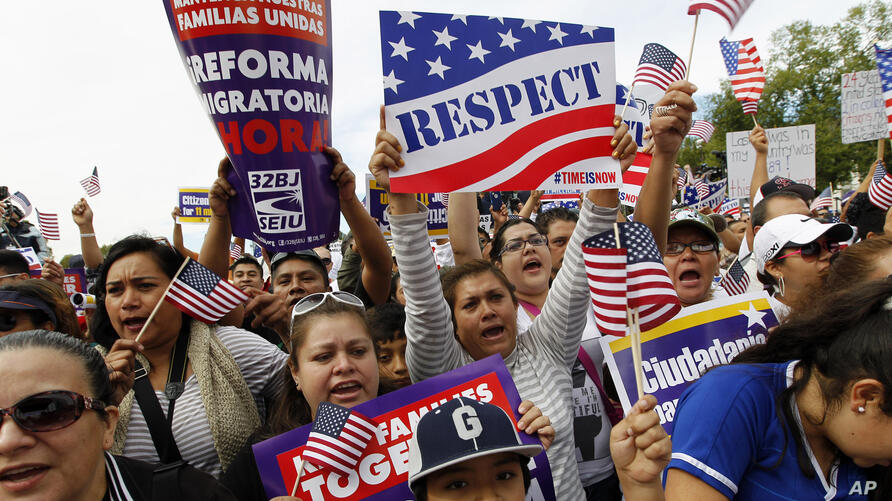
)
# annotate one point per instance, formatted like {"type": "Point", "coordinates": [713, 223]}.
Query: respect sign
{"type": "Point", "coordinates": [530, 107]}
{"type": "Point", "coordinates": [194, 205]}
{"type": "Point", "coordinates": [675, 354]}
{"type": "Point", "coordinates": [791, 154]}
{"type": "Point", "coordinates": [377, 201]}
{"type": "Point", "coordinates": [262, 71]}
{"type": "Point", "coordinates": [382, 472]}
{"type": "Point", "coordinates": [863, 107]}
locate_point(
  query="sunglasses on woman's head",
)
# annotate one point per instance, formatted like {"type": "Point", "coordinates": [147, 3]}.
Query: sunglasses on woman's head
{"type": "Point", "coordinates": [50, 410]}
{"type": "Point", "coordinates": [812, 249]}
{"type": "Point", "coordinates": [313, 301]}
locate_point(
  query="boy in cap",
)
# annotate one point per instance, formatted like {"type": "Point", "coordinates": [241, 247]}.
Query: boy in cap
{"type": "Point", "coordinates": [470, 450]}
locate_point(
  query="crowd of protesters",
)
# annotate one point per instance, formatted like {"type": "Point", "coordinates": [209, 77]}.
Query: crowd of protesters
{"type": "Point", "coordinates": [89, 412]}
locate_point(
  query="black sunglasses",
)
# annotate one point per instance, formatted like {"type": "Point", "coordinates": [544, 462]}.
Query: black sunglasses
{"type": "Point", "coordinates": [50, 410]}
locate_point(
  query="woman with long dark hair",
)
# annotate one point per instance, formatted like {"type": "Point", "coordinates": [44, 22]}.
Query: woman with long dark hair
{"type": "Point", "coordinates": [808, 415]}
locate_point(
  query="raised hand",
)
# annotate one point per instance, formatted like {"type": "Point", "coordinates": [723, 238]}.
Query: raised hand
{"type": "Point", "coordinates": [342, 176]}
{"type": "Point", "coordinates": [533, 421]}
{"type": "Point", "coordinates": [671, 119]}
{"type": "Point", "coordinates": [82, 214]}
{"type": "Point", "coordinates": [759, 140]}
{"type": "Point", "coordinates": [221, 191]}
{"type": "Point", "coordinates": [639, 445]}
{"type": "Point", "coordinates": [386, 157]}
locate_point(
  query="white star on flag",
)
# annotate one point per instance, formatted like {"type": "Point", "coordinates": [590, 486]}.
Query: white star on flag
{"type": "Point", "coordinates": [391, 81]}
{"type": "Point", "coordinates": [589, 29]}
{"type": "Point", "coordinates": [444, 38]}
{"type": "Point", "coordinates": [556, 33]}
{"type": "Point", "coordinates": [508, 40]}
{"type": "Point", "coordinates": [477, 51]}
{"type": "Point", "coordinates": [753, 316]}
{"type": "Point", "coordinates": [437, 67]}
{"type": "Point", "coordinates": [527, 23]}
{"type": "Point", "coordinates": [401, 49]}
{"type": "Point", "coordinates": [408, 18]}
{"type": "Point", "coordinates": [499, 19]}
{"type": "Point", "coordinates": [463, 19]}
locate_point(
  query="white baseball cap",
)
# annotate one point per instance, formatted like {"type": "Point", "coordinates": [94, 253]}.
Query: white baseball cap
{"type": "Point", "coordinates": [791, 230]}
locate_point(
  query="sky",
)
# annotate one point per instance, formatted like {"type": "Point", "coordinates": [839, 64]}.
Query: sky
{"type": "Point", "coordinates": [100, 83]}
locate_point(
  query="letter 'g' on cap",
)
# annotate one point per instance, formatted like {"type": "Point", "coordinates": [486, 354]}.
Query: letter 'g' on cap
{"type": "Point", "coordinates": [459, 430]}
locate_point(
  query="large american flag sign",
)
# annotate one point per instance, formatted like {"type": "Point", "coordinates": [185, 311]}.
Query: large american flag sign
{"type": "Point", "coordinates": [745, 71]}
{"type": "Point", "coordinates": [200, 293]}
{"type": "Point", "coordinates": [633, 179]}
{"type": "Point", "coordinates": [491, 104]}
{"type": "Point", "coordinates": [49, 225]}
{"type": "Point", "coordinates": [702, 130]}
{"type": "Point", "coordinates": [884, 65]}
{"type": "Point", "coordinates": [631, 275]}
{"type": "Point", "coordinates": [338, 438]}
{"type": "Point", "coordinates": [736, 279]}
{"type": "Point", "coordinates": [658, 66]}
{"type": "Point", "coordinates": [731, 10]}
{"type": "Point", "coordinates": [880, 190]}
{"type": "Point", "coordinates": [91, 183]}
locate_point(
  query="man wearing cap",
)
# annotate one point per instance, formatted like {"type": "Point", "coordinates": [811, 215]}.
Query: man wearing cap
{"type": "Point", "coordinates": [791, 253]}
{"type": "Point", "coordinates": [469, 450]}
{"type": "Point", "coordinates": [13, 267]}
{"type": "Point", "coordinates": [21, 312]}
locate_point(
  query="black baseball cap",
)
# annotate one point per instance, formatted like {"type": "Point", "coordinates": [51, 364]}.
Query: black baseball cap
{"type": "Point", "coordinates": [13, 300]}
{"type": "Point", "coordinates": [778, 183]}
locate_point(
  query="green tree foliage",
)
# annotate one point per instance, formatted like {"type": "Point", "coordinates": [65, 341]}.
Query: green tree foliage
{"type": "Point", "coordinates": [803, 77]}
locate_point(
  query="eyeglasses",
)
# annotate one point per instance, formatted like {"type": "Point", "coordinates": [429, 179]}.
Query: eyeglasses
{"type": "Point", "coordinates": [536, 240]}
{"type": "Point", "coordinates": [700, 247]}
{"type": "Point", "coordinates": [50, 410]}
{"type": "Point", "coordinates": [812, 250]}
{"type": "Point", "coordinates": [10, 275]}
{"type": "Point", "coordinates": [313, 301]}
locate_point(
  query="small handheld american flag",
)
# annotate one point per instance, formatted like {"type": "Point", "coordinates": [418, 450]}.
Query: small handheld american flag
{"type": "Point", "coordinates": [91, 183]}
{"type": "Point", "coordinates": [235, 250]}
{"type": "Point", "coordinates": [22, 201]}
{"type": "Point", "coordinates": [682, 179]}
{"type": "Point", "coordinates": [202, 294]}
{"type": "Point", "coordinates": [338, 438]}
{"type": "Point", "coordinates": [731, 10]}
{"type": "Point", "coordinates": [49, 225]}
{"type": "Point", "coordinates": [745, 71]}
{"type": "Point", "coordinates": [880, 190]}
{"type": "Point", "coordinates": [736, 279]}
{"type": "Point", "coordinates": [825, 199]}
{"type": "Point", "coordinates": [702, 188]}
{"type": "Point", "coordinates": [658, 66]}
{"type": "Point", "coordinates": [631, 276]}
{"type": "Point", "coordinates": [702, 130]}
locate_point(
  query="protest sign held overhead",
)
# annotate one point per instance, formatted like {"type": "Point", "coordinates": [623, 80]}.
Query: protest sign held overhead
{"type": "Point", "coordinates": [383, 467]}
{"type": "Point", "coordinates": [377, 200]}
{"type": "Point", "coordinates": [791, 154]}
{"type": "Point", "coordinates": [484, 104]}
{"type": "Point", "coordinates": [194, 205]}
{"type": "Point", "coordinates": [884, 66]}
{"type": "Point", "coordinates": [676, 353]}
{"type": "Point", "coordinates": [263, 75]}
{"type": "Point", "coordinates": [863, 107]}
{"type": "Point", "coordinates": [636, 115]}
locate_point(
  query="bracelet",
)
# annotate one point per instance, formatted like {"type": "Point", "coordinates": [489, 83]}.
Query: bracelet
{"type": "Point", "coordinates": [87, 235]}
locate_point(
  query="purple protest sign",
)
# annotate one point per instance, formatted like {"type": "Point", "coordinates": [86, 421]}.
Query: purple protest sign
{"type": "Point", "coordinates": [263, 75]}
{"type": "Point", "coordinates": [676, 353]}
{"type": "Point", "coordinates": [382, 472]}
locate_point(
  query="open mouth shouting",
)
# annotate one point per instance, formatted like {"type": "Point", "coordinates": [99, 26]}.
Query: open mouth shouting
{"type": "Point", "coordinates": [532, 265]}
{"type": "Point", "coordinates": [346, 391]}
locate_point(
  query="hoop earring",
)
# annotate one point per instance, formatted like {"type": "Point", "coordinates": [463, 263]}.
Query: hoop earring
{"type": "Point", "coordinates": [861, 409]}
{"type": "Point", "coordinates": [781, 285]}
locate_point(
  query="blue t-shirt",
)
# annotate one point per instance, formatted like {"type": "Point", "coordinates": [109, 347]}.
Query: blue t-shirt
{"type": "Point", "coordinates": [728, 434]}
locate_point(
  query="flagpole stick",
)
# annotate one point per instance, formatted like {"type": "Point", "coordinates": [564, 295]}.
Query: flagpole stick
{"type": "Point", "coordinates": [158, 305]}
{"type": "Point", "coordinates": [687, 73]}
{"type": "Point", "coordinates": [635, 333]}
{"type": "Point", "coordinates": [881, 148]}
{"type": "Point", "coordinates": [622, 114]}
{"type": "Point", "coordinates": [754, 120]}
{"type": "Point", "coordinates": [297, 481]}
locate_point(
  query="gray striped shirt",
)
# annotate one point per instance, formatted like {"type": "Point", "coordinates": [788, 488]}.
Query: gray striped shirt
{"type": "Point", "coordinates": [540, 363]}
{"type": "Point", "coordinates": [259, 363]}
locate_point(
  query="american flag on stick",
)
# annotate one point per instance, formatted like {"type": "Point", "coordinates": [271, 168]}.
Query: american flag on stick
{"type": "Point", "coordinates": [824, 199]}
{"type": "Point", "coordinates": [658, 66]}
{"type": "Point", "coordinates": [731, 10]}
{"type": "Point", "coordinates": [235, 250]}
{"type": "Point", "coordinates": [201, 294]}
{"type": "Point", "coordinates": [91, 183]}
{"type": "Point", "coordinates": [702, 188]}
{"type": "Point", "coordinates": [338, 438]}
{"type": "Point", "coordinates": [628, 275]}
{"type": "Point", "coordinates": [49, 225]}
{"type": "Point", "coordinates": [22, 201]}
{"type": "Point", "coordinates": [880, 190]}
{"type": "Point", "coordinates": [702, 130]}
{"type": "Point", "coordinates": [736, 279]}
{"type": "Point", "coordinates": [745, 71]}
{"type": "Point", "coordinates": [884, 65]}
{"type": "Point", "coordinates": [682, 179]}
